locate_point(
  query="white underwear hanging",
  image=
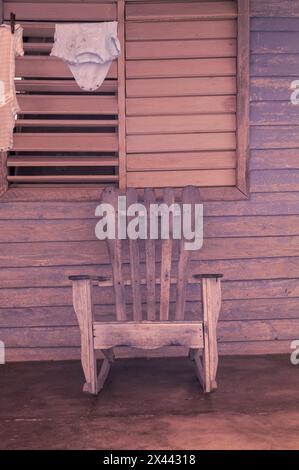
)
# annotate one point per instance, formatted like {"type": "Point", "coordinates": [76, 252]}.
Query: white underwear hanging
{"type": "Point", "coordinates": [88, 49]}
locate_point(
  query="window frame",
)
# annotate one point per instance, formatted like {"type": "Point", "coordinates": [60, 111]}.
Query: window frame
{"type": "Point", "coordinates": [76, 192]}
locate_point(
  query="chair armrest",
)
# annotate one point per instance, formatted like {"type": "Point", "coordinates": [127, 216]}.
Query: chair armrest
{"type": "Point", "coordinates": [207, 276]}
{"type": "Point", "coordinates": [86, 277]}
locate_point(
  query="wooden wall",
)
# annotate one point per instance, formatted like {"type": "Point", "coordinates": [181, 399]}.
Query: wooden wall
{"type": "Point", "coordinates": [255, 243]}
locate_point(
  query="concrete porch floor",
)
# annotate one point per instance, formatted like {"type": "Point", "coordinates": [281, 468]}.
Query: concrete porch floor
{"type": "Point", "coordinates": [151, 404]}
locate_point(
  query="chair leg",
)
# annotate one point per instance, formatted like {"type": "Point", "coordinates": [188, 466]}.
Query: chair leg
{"type": "Point", "coordinates": [105, 368]}
{"type": "Point", "coordinates": [104, 372]}
{"type": "Point", "coordinates": [211, 300]}
{"type": "Point", "coordinates": [195, 357]}
{"type": "Point", "coordinates": [82, 300]}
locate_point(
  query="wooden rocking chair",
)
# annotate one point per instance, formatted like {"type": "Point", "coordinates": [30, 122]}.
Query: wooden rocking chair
{"type": "Point", "coordinates": [132, 330]}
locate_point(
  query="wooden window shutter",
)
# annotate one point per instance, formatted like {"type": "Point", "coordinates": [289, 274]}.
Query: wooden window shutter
{"type": "Point", "coordinates": [182, 113]}
{"type": "Point", "coordinates": [63, 135]}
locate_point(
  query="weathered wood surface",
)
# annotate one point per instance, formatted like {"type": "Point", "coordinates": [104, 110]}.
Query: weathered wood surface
{"type": "Point", "coordinates": [211, 303]}
{"type": "Point", "coordinates": [166, 262]}
{"type": "Point", "coordinates": [100, 335]}
{"type": "Point", "coordinates": [243, 96]}
{"type": "Point", "coordinates": [83, 305]}
{"type": "Point", "coordinates": [275, 8]}
{"type": "Point", "coordinates": [49, 67]}
{"type": "Point", "coordinates": [181, 11]}
{"type": "Point", "coordinates": [150, 260]}
{"type": "Point", "coordinates": [190, 196]}
{"type": "Point", "coordinates": [170, 30]}
{"type": "Point", "coordinates": [132, 198]}
{"type": "Point", "coordinates": [148, 335]}
{"type": "Point", "coordinates": [261, 295]}
{"type": "Point", "coordinates": [115, 257]}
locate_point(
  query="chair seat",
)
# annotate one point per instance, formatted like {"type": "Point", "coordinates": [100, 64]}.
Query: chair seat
{"type": "Point", "coordinates": [148, 335]}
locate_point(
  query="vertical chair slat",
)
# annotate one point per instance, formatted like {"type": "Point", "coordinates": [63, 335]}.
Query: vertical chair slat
{"type": "Point", "coordinates": [150, 258]}
{"type": "Point", "coordinates": [166, 257]}
{"type": "Point", "coordinates": [110, 196]}
{"type": "Point", "coordinates": [190, 196]}
{"type": "Point", "coordinates": [132, 198]}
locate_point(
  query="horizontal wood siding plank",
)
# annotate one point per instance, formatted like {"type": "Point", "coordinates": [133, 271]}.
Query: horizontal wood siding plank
{"type": "Point", "coordinates": [83, 230]}
{"type": "Point", "coordinates": [181, 105]}
{"type": "Point", "coordinates": [181, 142]}
{"type": "Point", "coordinates": [273, 43]}
{"type": "Point", "coordinates": [181, 68]}
{"type": "Point", "coordinates": [184, 161]}
{"type": "Point", "coordinates": [185, 49]}
{"type": "Point", "coordinates": [49, 67]}
{"type": "Point", "coordinates": [275, 8]}
{"type": "Point", "coordinates": [60, 86]}
{"type": "Point", "coordinates": [197, 86]}
{"type": "Point", "coordinates": [176, 124]}
{"type": "Point", "coordinates": [274, 159]}
{"type": "Point", "coordinates": [45, 104]}
{"type": "Point", "coordinates": [233, 270]}
{"type": "Point", "coordinates": [61, 12]}
{"type": "Point", "coordinates": [38, 29]}
{"type": "Point", "coordinates": [203, 29]}
{"type": "Point", "coordinates": [258, 204]}
{"type": "Point", "coordinates": [275, 180]}
{"type": "Point", "coordinates": [61, 161]}
{"type": "Point", "coordinates": [274, 137]}
{"type": "Point", "coordinates": [274, 65]}
{"type": "Point", "coordinates": [258, 330]}
{"type": "Point", "coordinates": [73, 123]}
{"type": "Point", "coordinates": [236, 291]}
{"type": "Point", "coordinates": [178, 178]}
{"type": "Point", "coordinates": [42, 179]}
{"type": "Point", "coordinates": [271, 89]}
{"type": "Point", "coordinates": [278, 113]}
{"type": "Point", "coordinates": [61, 254]}
{"type": "Point", "coordinates": [181, 11]}
{"type": "Point", "coordinates": [275, 24]}
{"type": "Point", "coordinates": [259, 309]}
{"type": "Point", "coordinates": [37, 47]}
{"type": "Point", "coordinates": [57, 142]}
{"type": "Point", "coordinates": [231, 310]}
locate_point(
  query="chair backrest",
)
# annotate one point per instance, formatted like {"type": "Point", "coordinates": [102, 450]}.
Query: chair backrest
{"type": "Point", "coordinates": [159, 267]}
